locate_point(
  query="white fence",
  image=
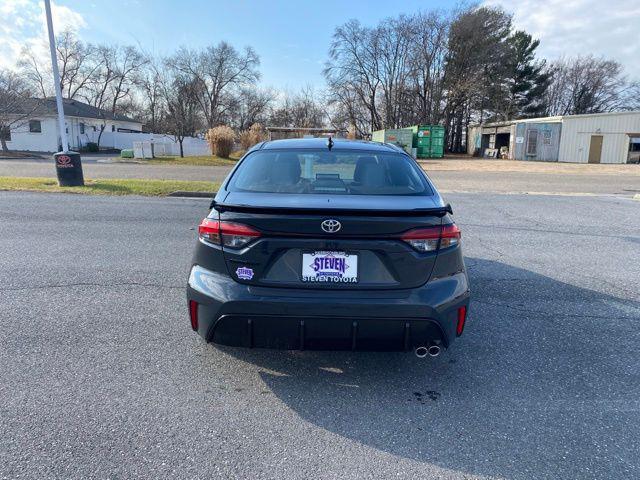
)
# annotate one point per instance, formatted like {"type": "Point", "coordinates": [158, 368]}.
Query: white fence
{"type": "Point", "coordinates": [161, 143]}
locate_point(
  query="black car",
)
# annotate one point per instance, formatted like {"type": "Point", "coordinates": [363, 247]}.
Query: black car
{"type": "Point", "coordinates": [322, 244]}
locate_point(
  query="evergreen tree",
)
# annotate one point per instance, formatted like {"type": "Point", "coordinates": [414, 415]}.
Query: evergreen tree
{"type": "Point", "coordinates": [526, 78]}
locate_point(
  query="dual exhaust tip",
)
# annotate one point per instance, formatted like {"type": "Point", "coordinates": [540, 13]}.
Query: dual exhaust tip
{"type": "Point", "coordinates": [432, 350]}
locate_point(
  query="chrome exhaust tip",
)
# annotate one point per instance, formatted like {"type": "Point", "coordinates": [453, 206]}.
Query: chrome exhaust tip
{"type": "Point", "coordinates": [434, 350]}
{"type": "Point", "coordinates": [421, 352]}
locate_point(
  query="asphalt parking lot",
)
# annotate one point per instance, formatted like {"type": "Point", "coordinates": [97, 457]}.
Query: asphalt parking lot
{"type": "Point", "coordinates": [102, 377]}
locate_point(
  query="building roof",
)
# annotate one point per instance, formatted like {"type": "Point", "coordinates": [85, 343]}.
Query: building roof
{"type": "Point", "coordinates": [72, 108]}
{"type": "Point", "coordinates": [556, 119]}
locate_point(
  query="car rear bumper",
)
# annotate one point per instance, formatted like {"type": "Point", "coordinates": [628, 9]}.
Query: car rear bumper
{"type": "Point", "coordinates": [230, 313]}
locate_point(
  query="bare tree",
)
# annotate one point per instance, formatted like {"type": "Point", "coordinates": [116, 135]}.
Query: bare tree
{"type": "Point", "coordinates": [428, 56]}
{"type": "Point", "coordinates": [126, 63]}
{"type": "Point", "coordinates": [587, 84]}
{"type": "Point", "coordinates": [150, 83]}
{"type": "Point", "coordinates": [300, 109]}
{"type": "Point", "coordinates": [249, 106]}
{"type": "Point", "coordinates": [183, 116]}
{"type": "Point", "coordinates": [353, 71]}
{"type": "Point", "coordinates": [219, 71]}
{"type": "Point", "coordinates": [16, 106]}
{"type": "Point", "coordinates": [394, 39]}
{"type": "Point", "coordinates": [112, 86]}
{"type": "Point", "coordinates": [346, 112]}
{"type": "Point", "coordinates": [78, 63]}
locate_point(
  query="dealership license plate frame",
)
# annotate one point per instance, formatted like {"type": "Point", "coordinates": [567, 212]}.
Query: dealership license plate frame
{"type": "Point", "coordinates": [354, 261]}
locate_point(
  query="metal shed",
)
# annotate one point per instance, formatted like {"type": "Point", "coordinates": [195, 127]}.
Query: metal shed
{"type": "Point", "coordinates": [599, 138]}
{"type": "Point", "coordinates": [593, 138]}
{"type": "Point", "coordinates": [528, 139]}
{"type": "Point", "coordinates": [537, 140]}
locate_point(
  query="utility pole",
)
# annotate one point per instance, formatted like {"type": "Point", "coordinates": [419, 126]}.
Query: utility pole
{"type": "Point", "coordinates": [68, 164]}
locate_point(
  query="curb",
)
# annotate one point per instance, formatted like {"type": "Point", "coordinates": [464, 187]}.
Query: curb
{"type": "Point", "coordinates": [184, 193]}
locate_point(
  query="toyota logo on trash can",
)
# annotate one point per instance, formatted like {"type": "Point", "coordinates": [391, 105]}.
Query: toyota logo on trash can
{"type": "Point", "coordinates": [331, 226]}
{"type": "Point", "coordinates": [64, 161]}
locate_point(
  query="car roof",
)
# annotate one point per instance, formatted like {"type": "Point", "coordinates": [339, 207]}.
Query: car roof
{"type": "Point", "coordinates": [318, 143]}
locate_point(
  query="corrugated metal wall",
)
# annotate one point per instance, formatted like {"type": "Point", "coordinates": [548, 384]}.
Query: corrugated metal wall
{"type": "Point", "coordinates": [547, 139]}
{"type": "Point", "coordinates": [614, 128]}
{"type": "Point", "coordinates": [473, 139]}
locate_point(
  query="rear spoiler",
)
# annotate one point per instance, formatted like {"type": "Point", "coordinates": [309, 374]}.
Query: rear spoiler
{"type": "Point", "coordinates": [418, 212]}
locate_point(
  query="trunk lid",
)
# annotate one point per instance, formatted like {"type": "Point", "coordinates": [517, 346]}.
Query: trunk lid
{"type": "Point", "coordinates": [368, 240]}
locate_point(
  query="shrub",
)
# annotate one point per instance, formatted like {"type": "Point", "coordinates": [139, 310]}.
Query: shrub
{"type": "Point", "coordinates": [258, 133]}
{"type": "Point", "coordinates": [255, 134]}
{"type": "Point", "coordinates": [245, 140]}
{"type": "Point", "coordinates": [221, 140]}
{"type": "Point", "coordinates": [91, 147]}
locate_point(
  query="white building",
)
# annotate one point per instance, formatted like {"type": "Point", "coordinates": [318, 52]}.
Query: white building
{"type": "Point", "coordinates": [592, 138]}
{"type": "Point", "coordinates": [37, 131]}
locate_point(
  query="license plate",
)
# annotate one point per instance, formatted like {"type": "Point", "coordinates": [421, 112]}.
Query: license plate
{"type": "Point", "coordinates": [329, 267]}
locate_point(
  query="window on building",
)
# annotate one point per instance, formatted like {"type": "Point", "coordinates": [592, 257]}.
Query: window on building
{"type": "Point", "coordinates": [5, 134]}
{"type": "Point", "coordinates": [35, 126]}
{"type": "Point", "coordinates": [532, 142]}
{"type": "Point", "coordinates": [82, 129]}
{"type": "Point", "coordinates": [546, 137]}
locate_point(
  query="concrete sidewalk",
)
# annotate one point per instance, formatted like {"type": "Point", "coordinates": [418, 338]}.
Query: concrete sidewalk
{"type": "Point", "coordinates": [457, 175]}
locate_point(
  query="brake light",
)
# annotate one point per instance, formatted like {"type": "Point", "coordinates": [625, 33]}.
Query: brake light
{"type": "Point", "coordinates": [228, 234]}
{"type": "Point", "coordinates": [209, 231]}
{"type": "Point", "coordinates": [450, 236]}
{"type": "Point", "coordinates": [430, 239]}
{"type": "Point", "coordinates": [462, 317]}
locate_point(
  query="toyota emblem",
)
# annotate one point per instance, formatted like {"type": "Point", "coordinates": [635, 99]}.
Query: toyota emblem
{"type": "Point", "coordinates": [331, 226]}
{"type": "Point", "coordinates": [64, 160]}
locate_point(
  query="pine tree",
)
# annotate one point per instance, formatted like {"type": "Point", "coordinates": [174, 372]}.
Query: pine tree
{"type": "Point", "coordinates": [527, 81]}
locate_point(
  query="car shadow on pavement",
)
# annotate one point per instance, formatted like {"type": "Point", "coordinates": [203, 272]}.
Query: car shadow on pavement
{"type": "Point", "coordinates": [543, 384]}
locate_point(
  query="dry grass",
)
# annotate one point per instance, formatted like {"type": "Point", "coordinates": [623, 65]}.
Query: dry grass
{"type": "Point", "coordinates": [221, 140]}
{"type": "Point", "coordinates": [201, 160]}
{"type": "Point", "coordinates": [108, 187]}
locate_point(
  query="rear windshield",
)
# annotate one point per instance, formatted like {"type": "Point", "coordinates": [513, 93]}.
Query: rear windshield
{"type": "Point", "coordinates": [325, 172]}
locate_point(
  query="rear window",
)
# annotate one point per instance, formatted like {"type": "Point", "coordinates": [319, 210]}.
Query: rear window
{"type": "Point", "coordinates": [326, 172]}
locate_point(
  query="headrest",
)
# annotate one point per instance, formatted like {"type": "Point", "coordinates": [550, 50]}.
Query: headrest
{"type": "Point", "coordinates": [360, 165]}
{"type": "Point", "coordinates": [286, 169]}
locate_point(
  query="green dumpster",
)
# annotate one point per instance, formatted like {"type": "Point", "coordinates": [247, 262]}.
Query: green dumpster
{"type": "Point", "coordinates": [402, 137]}
{"type": "Point", "coordinates": [428, 140]}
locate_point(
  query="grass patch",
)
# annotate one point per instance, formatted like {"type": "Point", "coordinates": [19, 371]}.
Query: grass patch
{"type": "Point", "coordinates": [201, 160]}
{"type": "Point", "coordinates": [108, 186]}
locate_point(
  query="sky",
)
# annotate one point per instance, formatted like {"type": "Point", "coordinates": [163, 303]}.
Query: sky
{"type": "Point", "coordinates": [293, 37]}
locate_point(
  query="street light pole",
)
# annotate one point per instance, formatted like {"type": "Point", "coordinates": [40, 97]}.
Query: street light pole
{"type": "Point", "coordinates": [56, 77]}
{"type": "Point", "coordinates": [68, 164]}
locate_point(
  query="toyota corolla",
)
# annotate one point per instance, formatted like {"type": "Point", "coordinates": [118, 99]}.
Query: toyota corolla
{"type": "Point", "coordinates": [322, 244]}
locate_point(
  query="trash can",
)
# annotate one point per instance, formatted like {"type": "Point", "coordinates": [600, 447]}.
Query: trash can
{"type": "Point", "coordinates": [69, 169]}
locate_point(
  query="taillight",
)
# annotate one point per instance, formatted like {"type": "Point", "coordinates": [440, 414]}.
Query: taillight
{"type": "Point", "coordinates": [209, 231]}
{"type": "Point", "coordinates": [430, 239]}
{"type": "Point", "coordinates": [229, 234]}
{"type": "Point", "coordinates": [450, 236]}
